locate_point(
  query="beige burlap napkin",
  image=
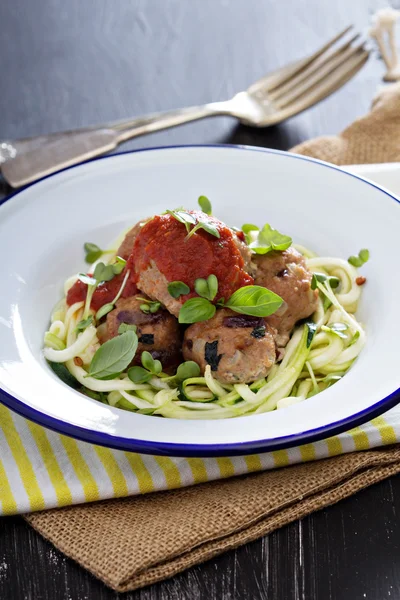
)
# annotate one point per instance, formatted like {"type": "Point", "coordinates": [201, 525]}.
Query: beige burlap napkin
{"type": "Point", "coordinates": [133, 542]}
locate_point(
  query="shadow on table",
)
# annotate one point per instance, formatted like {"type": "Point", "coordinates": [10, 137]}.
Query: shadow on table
{"type": "Point", "coordinates": [279, 137]}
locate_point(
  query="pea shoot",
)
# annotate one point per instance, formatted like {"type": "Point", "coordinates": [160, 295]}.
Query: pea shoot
{"type": "Point", "coordinates": [361, 259]}
{"type": "Point", "coordinates": [149, 306]}
{"type": "Point", "coordinates": [205, 205]}
{"type": "Point", "coordinates": [207, 288]}
{"type": "Point", "coordinates": [150, 368]}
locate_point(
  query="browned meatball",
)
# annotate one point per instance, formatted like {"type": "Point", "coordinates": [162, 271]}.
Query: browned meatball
{"type": "Point", "coordinates": [163, 252]}
{"type": "Point", "coordinates": [158, 333]}
{"type": "Point", "coordinates": [125, 249]}
{"type": "Point", "coordinates": [286, 274]}
{"type": "Point", "coordinates": [239, 348]}
{"type": "Point", "coordinates": [247, 255]}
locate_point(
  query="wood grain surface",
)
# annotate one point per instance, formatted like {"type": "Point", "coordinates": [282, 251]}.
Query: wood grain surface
{"type": "Point", "coordinates": [80, 62]}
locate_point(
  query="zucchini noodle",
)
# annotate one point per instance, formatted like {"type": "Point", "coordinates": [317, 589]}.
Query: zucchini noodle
{"type": "Point", "coordinates": [318, 354]}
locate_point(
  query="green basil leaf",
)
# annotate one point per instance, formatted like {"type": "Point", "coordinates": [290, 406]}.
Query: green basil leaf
{"type": "Point", "coordinates": [139, 375]}
{"type": "Point", "coordinates": [126, 327]}
{"type": "Point", "coordinates": [196, 310]}
{"type": "Point", "coordinates": [178, 288]}
{"type": "Point", "coordinates": [247, 227]}
{"type": "Point", "coordinates": [84, 323]}
{"type": "Point", "coordinates": [62, 372]}
{"type": "Point", "coordinates": [254, 300]}
{"type": "Point", "coordinates": [87, 279]}
{"type": "Point", "coordinates": [104, 310]}
{"type": "Point", "coordinates": [187, 370]}
{"type": "Point", "coordinates": [114, 356]}
{"type": "Point", "coordinates": [270, 239]}
{"type": "Point", "coordinates": [205, 205]}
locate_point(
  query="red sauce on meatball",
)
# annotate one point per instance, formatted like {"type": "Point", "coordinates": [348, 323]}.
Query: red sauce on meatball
{"type": "Point", "coordinates": [164, 240]}
{"type": "Point", "coordinates": [104, 293]}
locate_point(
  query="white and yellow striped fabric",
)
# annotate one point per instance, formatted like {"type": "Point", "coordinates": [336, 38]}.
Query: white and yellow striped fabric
{"type": "Point", "coordinates": [40, 469]}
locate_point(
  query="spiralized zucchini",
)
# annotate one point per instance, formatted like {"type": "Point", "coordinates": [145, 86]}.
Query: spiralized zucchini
{"type": "Point", "coordinates": [319, 354]}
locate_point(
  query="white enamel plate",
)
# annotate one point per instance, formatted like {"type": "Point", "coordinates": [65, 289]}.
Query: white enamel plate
{"type": "Point", "coordinates": [42, 232]}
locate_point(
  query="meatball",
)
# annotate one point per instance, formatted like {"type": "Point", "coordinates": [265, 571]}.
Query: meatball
{"type": "Point", "coordinates": [163, 253]}
{"type": "Point", "coordinates": [239, 348]}
{"type": "Point", "coordinates": [125, 249]}
{"type": "Point", "coordinates": [286, 274]}
{"type": "Point", "coordinates": [246, 253]}
{"type": "Point", "coordinates": [158, 333]}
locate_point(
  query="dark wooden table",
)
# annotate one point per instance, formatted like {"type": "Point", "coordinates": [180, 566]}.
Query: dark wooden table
{"type": "Point", "coordinates": [74, 63]}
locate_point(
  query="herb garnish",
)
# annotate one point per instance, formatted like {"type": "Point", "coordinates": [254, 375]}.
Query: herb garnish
{"type": "Point", "coordinates": [150, 367]}
{"type": "Point", "coordinates": [106, 308]}
{"type": "Point", "coordinates": [205, 205]}
{"type": "Point", "coordinates": [254, 300]}
{"type": "Point", "coordinates": [362, 258]}
{"type": "Point", "coordinates": [187, 369]}
{"type": "Point", "coordinates": [251, 300]}
{"type": "Point", "coordinates": [92, 252]}
{"type": "Point", "coordinates": [207, 288]}
{"type": "Point", "coordinates": [264, 240]}
{"type": "Point", "coordinates": [113, 356]}
{"type": "Point", "coordinates": [81, 326]}
{"type": "Point", "coordinates": [178, 288]}
{"type": "Point", "coordinates": [181, 215]}
{"type": "Point", "coordinates": [149, 306]}
{"type": "Point", "coordinates": [322, 278]}
{"type": "Point", "coordinates": [196, 310]}
{"type": "Point", "coordinates": [185, 217]}
{"type": "Point", "coordinates": [126, 327]}
{"type": "Point", "coordinates": [207, 226]}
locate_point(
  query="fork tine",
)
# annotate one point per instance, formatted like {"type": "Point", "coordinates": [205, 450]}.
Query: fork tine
{"type": "Point", "coordinates": [280, 76]}
{"type": "Point", "coordinates": [301, 87]}
{"type": "Point", "coordinates": [325, 87]}
{"type": "Point", "coordinates": [322, 63]}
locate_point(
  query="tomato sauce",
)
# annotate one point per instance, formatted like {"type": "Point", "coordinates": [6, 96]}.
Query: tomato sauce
{"type": "Point", "coordinates": [104, 293]}
{"type": "Point", "coordinates": [164, 240]}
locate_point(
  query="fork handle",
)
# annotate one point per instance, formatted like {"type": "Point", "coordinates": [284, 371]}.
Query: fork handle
{"type": "Point", "coordinates": [29, 159]}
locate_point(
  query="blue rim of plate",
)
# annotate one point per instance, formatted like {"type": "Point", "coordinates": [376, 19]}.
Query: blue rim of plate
{"type": "Point", "coordinates": [202, 450]}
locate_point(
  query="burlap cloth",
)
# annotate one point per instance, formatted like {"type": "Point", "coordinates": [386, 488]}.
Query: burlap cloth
{"type": "Point", "coordinates": [133, 542]}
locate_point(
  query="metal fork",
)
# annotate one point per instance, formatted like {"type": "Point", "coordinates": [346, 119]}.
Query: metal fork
{"type": "Point", "coordinates": [270, 100]}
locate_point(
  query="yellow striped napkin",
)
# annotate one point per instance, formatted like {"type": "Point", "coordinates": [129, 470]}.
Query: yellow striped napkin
{"type": "Point", "coordinates": [41, 469]}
